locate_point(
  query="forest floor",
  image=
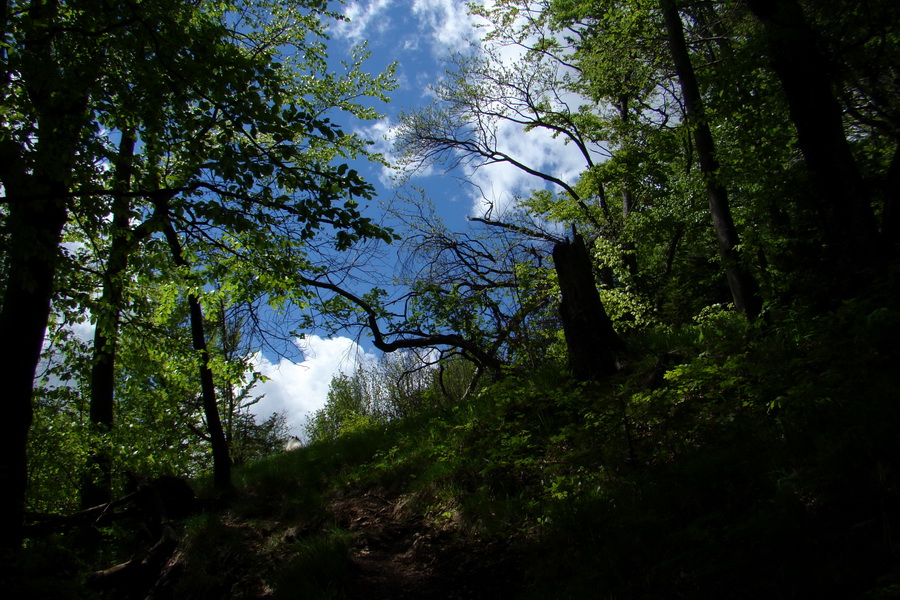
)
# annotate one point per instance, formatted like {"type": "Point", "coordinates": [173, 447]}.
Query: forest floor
{"type": "Point", "coordinates": [387, 550]}
{"type": "Point", "coordinates": [399, 554]}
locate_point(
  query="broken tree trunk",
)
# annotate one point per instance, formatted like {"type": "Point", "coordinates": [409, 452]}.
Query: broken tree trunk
{"type": "Point", "coordinates": [591, 341]}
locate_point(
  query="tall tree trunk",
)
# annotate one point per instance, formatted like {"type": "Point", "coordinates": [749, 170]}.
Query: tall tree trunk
{"type": "Point", "coordinates": [97, 482]}
{"type": "Point", "coordinates": [890, 214]}
{"type": "Point", "coordinates": [744, 289]}
{"type": "Point", "coordinates": [36, 191]}
{"type": "Point", "coordinates": [591, 341]}
{"type": "Point", "coordinates": [629, 250]}
{"type": "Point", "coordinates": [221, 456]}
{"type": "Point", "coordinates": [845, 206]}
{"type": "Point", "coordinates": [35, 232]}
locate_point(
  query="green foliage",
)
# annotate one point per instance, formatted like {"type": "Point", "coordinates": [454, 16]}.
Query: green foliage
{"type": "Point", "coordinates": [398, 385]}
{"type": "Point", "coordinates": [251, 441]}
{"type": "Point", "coordinates": [713, 462]}
{"type": "Point", "coordinates": [215, 546]}
{"type": "Point", "coordinates": [59, 441]}
{"type": "Point", "coordinates": [225, 104]}
{"type": "Point", "coordinates": [318, 567]}
{"type": "Point", "coordinates": [47, 568]}
{"type": "Point", "coordinates": [717, 441]}
{"type": "Point", "coordinates": [726, 457]}
{"type": "Point", "coordinates": [347, 409]}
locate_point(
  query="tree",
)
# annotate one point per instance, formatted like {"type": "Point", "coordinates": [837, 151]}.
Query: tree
{"type": "Point", "coordinates": [463, 125]}
{"type": "Point", "coordinates": [57, 77]}
{"type": "Point", "coordinates": [483, 295]}
{"type": "Point", "coordinates": [744, 289]}
{"type": "Point", "coordinates": [845, 205]}
{"type": "Point", "coordinates": [230, 130]}
{"type": "Point", "coordinates": [395, 386]}
{"type": "Point", "coordinates": [217, 439]}
{"type": "Point", "coordinates": [96, 488]}
{"type": "Point", "coordinates": [592, 343]}
{"type": "Point", "coordinates": [487, 282]}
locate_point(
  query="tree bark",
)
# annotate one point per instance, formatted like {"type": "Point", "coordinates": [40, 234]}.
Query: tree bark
{"type": "Point", "coordinates": [744, 289]}
{"type": "Point", "coordinates": [36, 190]}
{"type": "Point", "coordinates": [592, 343]}
{"type": "Point", "coordinates": [890, 214]}
{"type": "Point", "coordinates": [97, 482]}
{"type": "Point", "coordinates": [35, 232]}
{"type": "Point", "coordinates": [845, 206]}
{"type": "Point", "coordinates": [221, 456]}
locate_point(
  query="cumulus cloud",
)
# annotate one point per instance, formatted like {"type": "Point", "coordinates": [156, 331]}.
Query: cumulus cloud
{"type": "Point", "coordinates": [447, 24]}
{"type": "Point", "coordinates": [363, 19]}
{"type": "Point", "coordinates": [444, 25]}
{"type": "Point", "coordinates": [298, 388]}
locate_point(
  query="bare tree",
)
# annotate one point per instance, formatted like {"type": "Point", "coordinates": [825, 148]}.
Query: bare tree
{"type": "Point", "coordinates": [464, 126]}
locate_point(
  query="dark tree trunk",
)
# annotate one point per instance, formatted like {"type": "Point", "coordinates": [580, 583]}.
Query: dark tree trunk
{"type": "Point", "coordinates": [591, 341]}
{"type": "Point", "coordinates": [35, 232]}
{"type": "Point", "coordinates": [744, 289]}
{"type": "Point", "coordinates": [890, 214]}
{"type": "Point", "coordinates": [629, 250]}
{"type": "Point", "coordinates": [803, 70]}
{"type": "Point", "coordinates": [36, 190]}
{"type": "Point", "coordinates": [221, 456]}
{"type": "Point", "coordinates": [671, 251]}
{"type": "Point", "coordinates": [97, 483]}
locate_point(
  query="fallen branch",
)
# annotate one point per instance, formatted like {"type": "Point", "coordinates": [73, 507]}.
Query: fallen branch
{"type": "Point", "coordinates": [157, 500]}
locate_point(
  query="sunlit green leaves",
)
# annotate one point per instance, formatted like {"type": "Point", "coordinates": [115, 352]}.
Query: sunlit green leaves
{"type": "Point", "coordinates": [234, 107]}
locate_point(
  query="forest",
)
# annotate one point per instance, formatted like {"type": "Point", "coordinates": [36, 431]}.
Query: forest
{"type": "Point", "coordinates": [668, 373]}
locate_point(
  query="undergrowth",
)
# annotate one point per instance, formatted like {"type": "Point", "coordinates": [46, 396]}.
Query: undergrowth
{"type": "Point", "coordinates": [727, 460]}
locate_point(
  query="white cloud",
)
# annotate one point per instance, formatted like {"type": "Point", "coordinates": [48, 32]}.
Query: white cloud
{"type": "Point", "coordinates": [363, 19]}
{"type": "Point", "coordinates": [300, 388]}
{"type": "Point", "coordinates": [445, 27]}
{"type": "Point", "coordinates": [447, 24]}
{"type": "Point", "coordinates": [501, 182]}
{"type": "Point", "coordinates": [382, 133]}
{"type": "Point", "coordinates": [84, 331]}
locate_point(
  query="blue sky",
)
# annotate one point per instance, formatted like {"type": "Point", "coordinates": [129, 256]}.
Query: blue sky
{"type": "Point", "coordinates": [418, 35]}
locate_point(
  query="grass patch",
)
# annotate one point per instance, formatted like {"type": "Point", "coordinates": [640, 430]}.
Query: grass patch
{"type": "Point", "coordinates": [318, 568]}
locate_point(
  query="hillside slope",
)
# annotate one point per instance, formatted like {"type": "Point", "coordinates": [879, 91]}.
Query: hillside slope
{"type": "Point", "coordinates": [726, 460]}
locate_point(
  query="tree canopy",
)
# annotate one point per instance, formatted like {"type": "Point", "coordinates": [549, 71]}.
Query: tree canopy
{"type": "Point", "coordinates": [210, 120]}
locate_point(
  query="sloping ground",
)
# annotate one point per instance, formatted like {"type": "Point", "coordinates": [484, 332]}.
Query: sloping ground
{"type": "Point", "coordinates": [769, 472]}
{"type": "Point", "coordinates": [399, 555]}
{"type": "Point", "coordinates": [365, 545]}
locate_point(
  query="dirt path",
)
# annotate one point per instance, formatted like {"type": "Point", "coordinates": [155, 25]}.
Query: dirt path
{"type": "Point", "coordinates": [397, 554]}
{"type": "Point", "coordinates": [400, 556]}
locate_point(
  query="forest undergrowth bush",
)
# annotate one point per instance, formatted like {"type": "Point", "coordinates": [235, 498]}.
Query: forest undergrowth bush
{"type": "Point", "coordinates": [726, 459]}
{"type": "Point", "coordinates": [726, 456]}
